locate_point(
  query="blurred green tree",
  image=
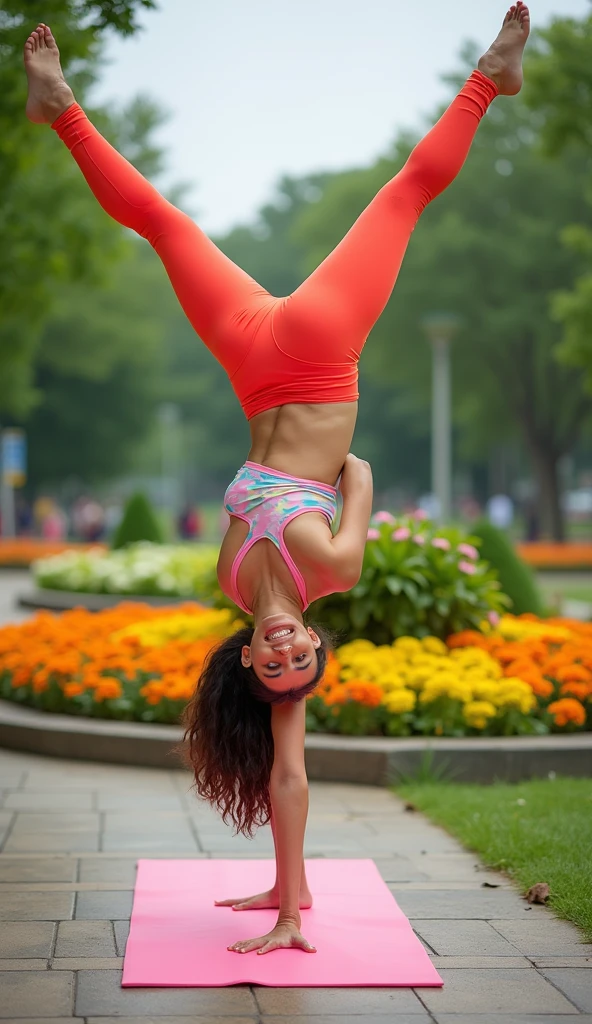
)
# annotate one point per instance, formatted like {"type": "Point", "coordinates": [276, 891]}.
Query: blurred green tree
{"type": "Point", "coordinates": [52, 231]}
{"type": "Point", "coordinates": [559, 90]}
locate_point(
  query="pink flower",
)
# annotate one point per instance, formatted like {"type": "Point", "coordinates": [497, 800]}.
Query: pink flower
{"type": "Point", "coordinates": [441, 542]}
{"type": "Point", "coordinates": [420, 514]}
{"type": "Point", "coordinates": [384, 517]}
{"type": "Point", "coordinates": [467, 567]}
{"type": "Point", "coordinates": [419, 539]}
{"type": "Point", "coordinates": [468, 550]}
{"type": "Point", "coordinates": [493, 618]}
{"type": "Point", "coordinates": [401, 533]}
{"type": "Point", "coordinates": [373, 534]}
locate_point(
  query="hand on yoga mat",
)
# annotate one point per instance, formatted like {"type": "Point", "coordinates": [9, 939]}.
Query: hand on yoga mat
{"type": "Point", "coordinates": [284, 936]}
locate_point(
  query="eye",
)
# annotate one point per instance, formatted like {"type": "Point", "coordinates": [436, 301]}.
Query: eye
{"type": "Point", "coordinates": [272, 664]}
{"type": "Point", "coordinates": [301, 657]}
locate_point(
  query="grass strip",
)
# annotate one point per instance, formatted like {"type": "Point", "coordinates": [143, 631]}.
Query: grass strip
{"type": "Point", "coordinates": [536, 831]}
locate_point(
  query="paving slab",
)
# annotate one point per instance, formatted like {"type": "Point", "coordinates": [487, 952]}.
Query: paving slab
{"type": "Point", "coordinates": [463, 963]}
{"type": "Point", "coordinates": [348, 1018]}
{"type": "Point", "coordinates": [515, 1018]}
{"type": "Point", "coordinates": [563, 961]}
{"type": "Point", "coordinates": [51, 842]}
{"type": "Point", "coordinates": [152, 843]}
{"type": "Point", "coordinates": [462, 938]}
{"type": "Point", "coordinates": [100, 993]}
{"type": "Point", "coordinates": [94, 906]}
{"type": "Point", "coordinates": [500, 991]}
{"type": "Point", "coordinates": [86, 963]}
{"type": "Point", "coordinates": [549, 936]}
{"type": "Point", "coordinates": [26, 938]}
{"type": "Point", "coordinates": [399, 869]}
{"type": "Point", "coordinates": [30, 964]}
{"type": "Point", "coordinates": [575, 983]}
{"type": "Point", "coordinates": [482, 904]}
{"type": "Point", "coordinates": [45, 869]}
{"type": "Point", "coordinates": [100, 869]}
{"type": "Point", "coordinates": [172, 1020]}
{"type": "Point", "coordinates": [44, 800]}
{"type": "Point", "coordinates": [36, 906]}
{"type": "Point", "coordinates": [42, 1020]}
{"type": "Point", "coordinates": [85, 938]}
{"type": "Point", "coordinates": [362, 1001]}
{"type": "Point", "coordinates": [36, 993]}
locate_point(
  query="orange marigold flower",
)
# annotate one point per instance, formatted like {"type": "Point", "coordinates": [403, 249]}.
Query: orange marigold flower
{"type": "Point", "coordinates": [573, 674]}
{"type": "Point", "coordinates": [578, 690]}
{"type": "Point", "coordinates": [567, 710]}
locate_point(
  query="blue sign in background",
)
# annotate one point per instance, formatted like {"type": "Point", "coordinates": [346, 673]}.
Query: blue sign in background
{"type": "Point", "coordinates": [14, 457]}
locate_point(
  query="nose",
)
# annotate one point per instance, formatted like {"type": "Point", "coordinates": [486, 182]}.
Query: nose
{"type": "Point", "coordinates": [284, 649]}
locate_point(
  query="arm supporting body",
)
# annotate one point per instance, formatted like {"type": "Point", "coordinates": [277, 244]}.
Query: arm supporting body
{"type": "Point", "coordinates": [288, 788]}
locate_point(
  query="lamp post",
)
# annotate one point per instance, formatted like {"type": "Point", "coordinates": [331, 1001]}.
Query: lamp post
{"type": "Point", "coordinates": [440, 329]}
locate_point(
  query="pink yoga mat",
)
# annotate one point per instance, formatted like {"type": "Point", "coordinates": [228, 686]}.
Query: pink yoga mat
{"type": "Point", "coordinates": [179, 938]}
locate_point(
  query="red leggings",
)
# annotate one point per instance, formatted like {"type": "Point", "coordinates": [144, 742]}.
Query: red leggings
{"type": "Point", "coordinates": [304, 347]}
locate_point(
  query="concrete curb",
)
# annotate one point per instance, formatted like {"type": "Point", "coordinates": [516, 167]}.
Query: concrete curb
{"type": "Point", "coordinates": [372, 760]}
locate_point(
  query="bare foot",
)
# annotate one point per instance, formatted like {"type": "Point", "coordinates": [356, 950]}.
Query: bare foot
{"type": "Point", "coordinates": [263, 901]}
{"type": "Point", "coordinates": [503, 60]}
{"type": "Point", "coordinates": [49, 93]}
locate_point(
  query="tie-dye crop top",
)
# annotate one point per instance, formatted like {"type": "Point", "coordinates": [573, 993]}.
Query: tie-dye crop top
{"type": "Point", "coordinates": [268, 500]}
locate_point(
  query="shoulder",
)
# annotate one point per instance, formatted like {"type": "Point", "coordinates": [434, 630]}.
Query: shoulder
{"type": "Point", "coordinates": [311, 544]}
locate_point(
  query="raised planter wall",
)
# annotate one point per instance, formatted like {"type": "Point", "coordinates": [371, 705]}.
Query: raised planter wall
{"type": "Point", "coordinates": [371, 760]}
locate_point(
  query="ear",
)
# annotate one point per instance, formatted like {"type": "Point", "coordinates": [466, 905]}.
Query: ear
{"type": "Point", "coordinates": [246, 657]}
{"type": "Point", "coordinates": [316, 640]}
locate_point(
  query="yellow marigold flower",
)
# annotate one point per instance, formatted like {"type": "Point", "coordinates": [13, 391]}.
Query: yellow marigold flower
{"type": "Point", "coordinates": [433, 645]}
{"type": "Point", "coordinates": [453, 688]}
{"type": "Point", "coordinates": [213, 622]}
{"type": "Point", "coordinates": [390, 681]}
{"type": "Point", "coordinates": [407, 645]}
{"type": "Point", "coordinates": [515, 693]}
{"type": "Point", "coordinates": [485, 689]}
{"type": "Point", "coordinates": [399, 701]}
{"type": "Point", "coordinates": [477, 713]}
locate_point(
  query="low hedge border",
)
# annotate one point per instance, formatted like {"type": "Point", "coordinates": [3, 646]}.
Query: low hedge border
{"type": "Point", "coordinates": [366, 760]}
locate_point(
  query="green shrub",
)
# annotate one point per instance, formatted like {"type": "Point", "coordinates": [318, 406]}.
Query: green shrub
{"type": "Point", "coordinates": [515, 576]}
{"type": "Point", "coordinates": [418, 579]}
{"type": "Point", "coordinates": [139, 522]}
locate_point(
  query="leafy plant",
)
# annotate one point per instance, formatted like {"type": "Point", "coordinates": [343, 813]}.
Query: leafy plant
{"type": "Point", "coordinates": [419, 580]}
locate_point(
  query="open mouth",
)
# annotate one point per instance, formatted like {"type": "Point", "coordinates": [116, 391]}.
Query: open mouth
{"type": "Point", "coordinates": [279, 633]}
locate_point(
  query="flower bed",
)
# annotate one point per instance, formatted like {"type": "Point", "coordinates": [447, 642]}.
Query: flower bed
{"type": "Point", "coordinates": [140, 569]}
{"type": "Point", "coordinates": [139, 663]}
{"type": "Point", "coordinates": [546, 555]}
{"type": "Point", "coordinates": [20, 552]}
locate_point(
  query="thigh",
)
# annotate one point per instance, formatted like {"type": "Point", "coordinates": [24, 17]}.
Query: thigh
{"type": "Point", "coordinates": [334, 310]}
{"type": "Point", "coordinates": [220, 299]}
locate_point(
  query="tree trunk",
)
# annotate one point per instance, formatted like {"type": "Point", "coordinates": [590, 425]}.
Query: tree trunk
{"type": "Point", "coordinates": [546, 466]}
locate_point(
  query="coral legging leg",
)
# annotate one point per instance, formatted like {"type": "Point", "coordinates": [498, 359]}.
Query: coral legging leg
{"type": "Point", "coordinates": [350, 288]}
{"type": "Point", "coordinates": [358, 276]}
{"type": "Point", "coordinates": [209, 286]}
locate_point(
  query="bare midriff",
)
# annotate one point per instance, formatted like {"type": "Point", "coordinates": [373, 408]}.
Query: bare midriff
{"type": "Point", "coordinates": [308, 441]}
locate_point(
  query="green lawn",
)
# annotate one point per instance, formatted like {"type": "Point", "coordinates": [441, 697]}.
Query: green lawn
{"type": "Point", "coordinates": [548, 838]}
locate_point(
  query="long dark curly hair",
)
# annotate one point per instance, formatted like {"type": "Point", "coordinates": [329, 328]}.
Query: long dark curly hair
{"type": "Point", "coordinates": [227, 742]}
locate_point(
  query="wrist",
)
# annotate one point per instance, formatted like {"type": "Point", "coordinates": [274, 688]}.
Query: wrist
{"type": "Point", "coordinates": [290, 917]}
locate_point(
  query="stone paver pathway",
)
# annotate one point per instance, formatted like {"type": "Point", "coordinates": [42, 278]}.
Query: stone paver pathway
{"type": "Point", "coordinates": [71, 833]}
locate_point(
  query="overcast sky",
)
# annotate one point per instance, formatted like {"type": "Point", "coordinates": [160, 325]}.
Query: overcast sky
{"type": "Point", "coordinates": [261, 88]}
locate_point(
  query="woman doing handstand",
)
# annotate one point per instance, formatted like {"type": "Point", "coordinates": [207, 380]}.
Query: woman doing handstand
{"type": "Point", "coordinates": [293, 364]}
